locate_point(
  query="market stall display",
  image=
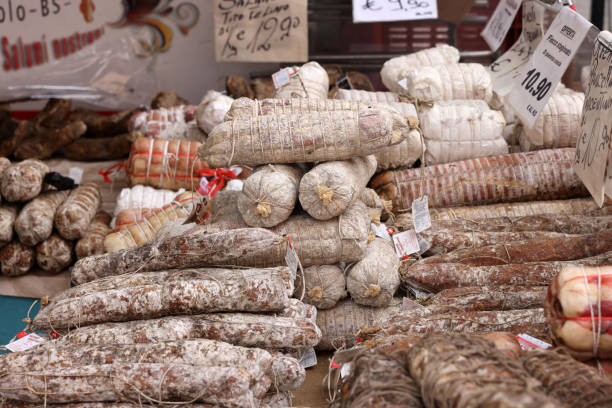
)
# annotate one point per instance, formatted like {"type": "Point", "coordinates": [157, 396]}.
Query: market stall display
{"type": "Point", "coordinates": [394, 229]}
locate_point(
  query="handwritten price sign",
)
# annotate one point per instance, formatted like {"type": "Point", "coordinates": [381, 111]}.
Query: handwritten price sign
{"type": "Point", "coordinates": [261, 31]}
{"type": "Point", "coordinates": [368, 11]}
{"type": "Point", "coordinates": [592, 163]}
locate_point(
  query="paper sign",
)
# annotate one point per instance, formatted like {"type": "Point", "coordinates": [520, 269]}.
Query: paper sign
{"type": "Point", "coordinates": [551, 58]}
{"type": "Point", "coordinates": [498, 25]}
{"type": "Point", "coordinates": [345, 370]}
{"type": "Point", "coordinates": [593, 148]}
{"type": "Point", "coordinates": [76, 173]}
{"type": "Point", "coordinates": [420, 214]}
{"type": "Point", "coordinates": [528, 342]}
{"type": "Point", "coordinates": [381, 231]}
{"type": "Point", "coordinates": [371, 11]}
{"type": "Point", "coordinates": [507, 68]}
{"type": "Point", "coordinates": [405, 243]}
{"type": "Point", "coordinates": [261, 31]}
{"type": "Point", "coordinates": [25, 343]}
{"type": "Point", "coordinates": [309, 358]}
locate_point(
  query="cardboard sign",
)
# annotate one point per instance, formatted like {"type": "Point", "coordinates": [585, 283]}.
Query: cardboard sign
{"type": "Point", "coordinates": [592, 162]}
{"type": "Point", "coordinates": [543, 72]}
{"type": "Point", "coordinates": [507, 68]}
{"type": "Point", "coordinates": [371, 11]}
{"type": "Point", "coordinates": [498, 25]}
{"type": "Point", "coordinates": [261, 31]}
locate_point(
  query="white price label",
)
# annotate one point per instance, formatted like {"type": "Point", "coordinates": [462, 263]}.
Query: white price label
{"type": "Point", "coordinates": [508, 67]}
{"type": "Point", "coordinates": [25, 342]}
{"type": "Point", "coordinates": [593, 149]}
{"type": "Point", "coordinates": [381, 231]}
{"type": "Point", "coordinates": [283, 77]}
{"type": "Point", "coordinates": [420, 214]}
{"type": "Point", "coordinates": [498, 25]}
{"type": "Point", "coordinates": [292, 259]}
{"type": "Point", "coordinates": [406, 243]}
{"type": "Point", "coordinates": [549, 61]}
{"type": "Point", "coordinates": [76, 173]}
{"type": "Point", "coordinates": [309, 358]}
{"type": "Point", "coordinates": [371, 11]}
{"type": "Point", "coordinates": [424, 244]}
{"type": "Point", "coordinates": [345, 370]}
{"type": "Point", "coordinates": [528, 342]}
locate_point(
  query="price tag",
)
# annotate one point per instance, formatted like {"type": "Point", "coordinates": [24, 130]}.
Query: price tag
{"type": "Point", "coordinates": [593, 149]}
{"type": "Point", "coordinates": [309, 358]}
{"type": "Point", "coordinates": [498, 25]}
{"type": "Point", "coordinates": [424, 244]}
{"type": "Point", "coordinates": [25, 342]}
{"type": "Point", "coordinates": [405, 243]}
{"type": "Point", "coordinates": [260, 31]}
{"type": "Point", "coordinates": [283, 77]}
{"type": "Point", "coordinates": [76, 173]}
{"type": "Point", "coordinates": [371, 11]}
{"type": "Point", "coordinates": [234, 185]}
{"type": "Point", "coordinates": [420, 214]}
{"type": "Point", "coordinates": [291, 259]}
{"type": "Point", "coordinates": [528, 342]}
{"type": "Point", "coordinates": [381, 231]}
{"type": "Point", "coordinates": [551, 58]}
{"type": "Point", "coordinates": [203, 186]}
{"type": "Point", "coordinates": [345, 370]}
{"type": "Point", "coordinates": [507, 68]}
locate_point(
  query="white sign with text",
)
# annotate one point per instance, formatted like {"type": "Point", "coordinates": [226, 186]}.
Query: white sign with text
{"type": "Point", "coordinates": [498, 25]}
{"type": "Point", "coordinates": [371, 11]}
{"type": "Point", "coordinates": [544, 70]}
{"type": "Point", "coordinates": [593, 148]}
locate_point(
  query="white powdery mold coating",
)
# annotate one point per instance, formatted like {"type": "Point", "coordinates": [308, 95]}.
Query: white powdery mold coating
{"type": "Point", "coordinates": [179, 292]}
{"type": "Point", "coordinates": [241, 329]}
{"type": "Point", "coordinates": [212, 110]}
{"type": "Point", "coordinates": [23, 181]}
{"type": "Point", "coordinates": [34, 223]}
{"type": "Point", "coordinates": [54, 254]}
{"type": "Point", "coordinates": [330, 188]}
{"type": "Point", "coordinates": [227, 386]}
{"type": "Point", "coordinates": [325, 285]}
{"type": "Point", "coordinates": [308, 137]}
{"type": "Point", "coordinates": [374, 280]}
{"type": "Point", "coordinates": [16, 259]}
{"type": "Point", "coordinates": [269, 195]}
{"type": "Point", "coordinates": [74, 215]}
{"type": "Point", "coordinates": [255, 247]}
{"type": "Point", "coordinates": [341, 239]}
{"type": "Point", "coordinates": [8, 215]}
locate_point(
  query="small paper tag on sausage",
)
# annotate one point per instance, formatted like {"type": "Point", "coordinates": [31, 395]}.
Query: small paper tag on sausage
{"type": "Point", "coordinates": [417, 293]}
{"type": "Point", "coordinates": [76, 173]}
{"type": "Point", "coordinates": [292, 259]}
{"type": "Point", "coordinates": [420, 214]}
{"type": "Point", "coordinates": [203, 186]}
{"type": "Point", "coordinates": [424, 244]}
{"type": "Point", "coordinates": [381, 231]}
{"type": "Point", "coordinates": [234, 185]}
{"type": "Point", "coordinates": [25, 343]}
{"type": "Point", "coordinates": [406, 243]}
{"type": "Point", "coordinates": [528, 342]}
{"type": "Point", "coordinates": [309, 358]}
{"type": "Point", "coordinates": [283, 77]}
{"type": "Point", "coordinates": [345, 370]}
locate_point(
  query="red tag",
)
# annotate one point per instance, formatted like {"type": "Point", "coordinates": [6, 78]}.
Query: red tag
{"type": "Point", "coordinates": [54, 334]}
{"type": "Point", "coordinates": [390, 230]}
{"type": "Point", "coordinates": [359, 340]}
{"type": "Point", "coordinates": [334, 364]}
{"type": "Point", "coordinates": [21, 334]}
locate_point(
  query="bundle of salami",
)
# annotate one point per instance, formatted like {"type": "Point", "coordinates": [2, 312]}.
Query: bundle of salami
{"type": "Point", "coordinates": [42, 226]}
